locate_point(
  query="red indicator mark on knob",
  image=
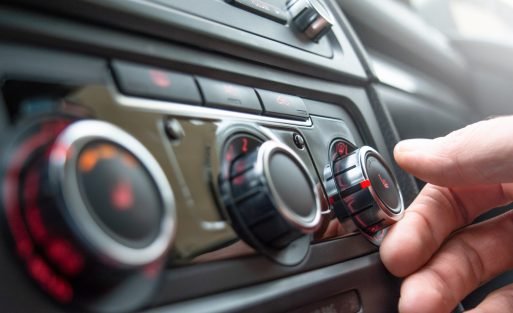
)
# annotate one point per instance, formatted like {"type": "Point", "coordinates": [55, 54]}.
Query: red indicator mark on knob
{"type": "Point", "coordinates": [122, 196]}
{"type": "Point", "coordinates": [365, 184]}
{"type": "Point", "coordinates": [384, 182]}
{"type": "Point", "coordinates": [160, 78]}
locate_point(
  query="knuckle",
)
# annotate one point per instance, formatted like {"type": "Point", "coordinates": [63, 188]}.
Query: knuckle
{"type": "Point", "coordinates": [447, 297]}
{"type": "Point", "coordinates": [473, 262]}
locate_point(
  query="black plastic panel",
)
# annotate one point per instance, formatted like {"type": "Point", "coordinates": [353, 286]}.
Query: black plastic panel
{"type": "Point", "coordinates": [415, 117]}
{"type": "Point", "coordinates": [223, 13]}
{"type": "Point", "coordinates": [391, 28]}
{"type": "Point", "coordinates": [378, 291]}
{"type": "Point", "coordinates": [155, 19]}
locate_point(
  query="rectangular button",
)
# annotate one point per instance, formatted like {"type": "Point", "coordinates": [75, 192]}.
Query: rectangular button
{"type": "Point", "coordinates": [282, 105]}
{"type": "Point", "coordinates": [264, 8]}
{"type": "Point", "coordinates": [143, 81]}
{"type": "Point", "coordinates": [225, 95]}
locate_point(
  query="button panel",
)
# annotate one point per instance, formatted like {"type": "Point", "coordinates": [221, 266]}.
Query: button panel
{"type": "Point", "coordinates": [143, 81]}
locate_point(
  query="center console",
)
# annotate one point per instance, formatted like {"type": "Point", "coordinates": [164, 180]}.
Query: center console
{"type": "Point", "coordinates": [176, 156]}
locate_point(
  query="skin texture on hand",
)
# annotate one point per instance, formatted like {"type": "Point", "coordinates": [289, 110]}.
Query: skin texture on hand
{"type": "Point", "coordinates": [442, 258]}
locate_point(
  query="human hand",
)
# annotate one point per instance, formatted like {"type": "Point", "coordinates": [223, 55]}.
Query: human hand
{"type": "Point", "coordinates": [441, 257]}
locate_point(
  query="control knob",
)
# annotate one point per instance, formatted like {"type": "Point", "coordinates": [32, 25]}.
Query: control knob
{"type": "Point", "coordinates": [361, 185]}
{"type": "Point", "coordinates": [90, 211]}
{"type": "Point", "coordinates": [272, 200]}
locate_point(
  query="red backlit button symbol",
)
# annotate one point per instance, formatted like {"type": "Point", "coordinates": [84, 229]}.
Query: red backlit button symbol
{"type": "Point", "coordinates": [160, 78]}
{"type": "Point", "coordinates": [230, 90]}
{"type": "Point", "coordinates": [282, 100]}
{"type": "Point", "coordinates": [384, 182]}
{"type": "Point", "coordinates": [341, 149]}
{"type": "Point", "coordinates": [122, 196]}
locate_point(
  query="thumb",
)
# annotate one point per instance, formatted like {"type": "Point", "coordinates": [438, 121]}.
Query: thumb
{"type": "Point", "coordinates": [480, 153]}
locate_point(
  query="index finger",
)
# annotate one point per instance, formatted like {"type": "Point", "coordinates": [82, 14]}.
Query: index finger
{"type": "Point", "coordinates": [477, 154]}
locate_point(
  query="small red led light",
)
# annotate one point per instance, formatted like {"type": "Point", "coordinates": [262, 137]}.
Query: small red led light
{"type": "Point", "coordinates": [33, 216]}
{"type": "Point", "coordinates": [365, 184]}
{"type": "Point", "coordinates": [24, 247]}
{"type": "Point", "coordinates": [122, 196]}
{"type": "Point", "coordinates": [62, 291]}
{"type": "Point", "coordinates": [54, 285]}
{"type": "Point", "coordinates": [341, 149]}
{"type": "Point", "coordinates": [39, 270]}
{"type": "Point", "coordinates": [244, 145]}
{"type": "Point", "coordinates": [160, 78]}
{"type": "Point", "coordinates": [375, 229]}
{"type": "Point", "coordinates": [36, 225]}
{"type": "Point", "coordinates": [65, 256]}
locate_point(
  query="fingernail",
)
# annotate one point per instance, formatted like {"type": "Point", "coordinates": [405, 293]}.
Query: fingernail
{"type": "Point", "coordinates": [412, 145]}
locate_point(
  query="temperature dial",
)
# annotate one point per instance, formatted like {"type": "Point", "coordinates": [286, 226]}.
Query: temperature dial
{"type": "Point", "coordinates": [90, 211]}
{"type": "Point", "coordinates": [272, 200]}
{"type": "Point", "coordinates": [361, 185]}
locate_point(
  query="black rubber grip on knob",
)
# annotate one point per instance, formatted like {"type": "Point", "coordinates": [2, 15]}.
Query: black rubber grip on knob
{"type": "Point", "coordinates": [369, 192]}
{"type": "Point", "coordinates": [255, 207]}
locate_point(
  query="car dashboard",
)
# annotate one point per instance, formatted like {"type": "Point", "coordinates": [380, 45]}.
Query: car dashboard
{"type": "Point", "coordinates": [193, 156]}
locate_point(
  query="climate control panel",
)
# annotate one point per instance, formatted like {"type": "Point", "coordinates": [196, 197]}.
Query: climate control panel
{"type": "Point", "coordinates": [107, 190]}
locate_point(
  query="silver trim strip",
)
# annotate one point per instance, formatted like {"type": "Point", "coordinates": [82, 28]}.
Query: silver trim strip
{"type": "Point", "coordinates": [200, 112]}
{"type": "Point", "coordinates": [63, 177]}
